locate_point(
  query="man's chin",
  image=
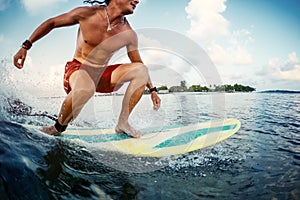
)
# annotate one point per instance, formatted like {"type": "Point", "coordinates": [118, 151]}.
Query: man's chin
{"type": "Point", "coordinates": [129, 12]}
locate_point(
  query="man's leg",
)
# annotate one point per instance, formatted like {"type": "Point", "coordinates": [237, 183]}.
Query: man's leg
{"type": "Point", "coordinates": [137, 75]}
{"type": "Point", "coordinates": [82, 89]}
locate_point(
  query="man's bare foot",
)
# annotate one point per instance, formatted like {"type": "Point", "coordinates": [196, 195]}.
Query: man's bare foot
{"type": "Point", "coordinates": [127, 129]}
{"type": "Point", "coordinates": [50, 130]}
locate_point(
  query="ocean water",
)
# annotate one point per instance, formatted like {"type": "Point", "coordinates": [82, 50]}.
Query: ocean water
{"type": "Point", "coordinates": [261, 161]}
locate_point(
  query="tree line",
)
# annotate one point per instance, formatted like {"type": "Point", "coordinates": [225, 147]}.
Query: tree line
{"type": "Point", "coordinates": [215, 88]}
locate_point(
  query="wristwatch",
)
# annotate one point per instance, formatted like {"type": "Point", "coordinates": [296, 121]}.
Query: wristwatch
{"type": "Point", "coordinates": [153, 89]}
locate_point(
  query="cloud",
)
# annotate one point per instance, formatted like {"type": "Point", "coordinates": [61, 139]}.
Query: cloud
{"type": "Point", "coordinates": [147, 42]}
{"type": "Point", "coordinates": [206, 19]}
{"type": "Point", "coordinates": [210, 27]}
{"type": "Point", "coordinates": [38, 6]}
{"type": "Point", "coordinates": [4, 4]}
{"type": "Point", "coordinates": [277, 69]}
{"type": "Point", "coordinates": [234, 52]}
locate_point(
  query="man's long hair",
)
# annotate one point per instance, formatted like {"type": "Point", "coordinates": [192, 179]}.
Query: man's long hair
{"type": "Point", "coordinates": [93, 2]}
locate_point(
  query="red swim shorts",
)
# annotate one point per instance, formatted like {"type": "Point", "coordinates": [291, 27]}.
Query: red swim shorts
{"type": "Point", "coordinates": [100, 76]}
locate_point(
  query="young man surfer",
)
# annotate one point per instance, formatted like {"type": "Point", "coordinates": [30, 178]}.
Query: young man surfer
{"type": "Point", "coordinates": [102, 31]}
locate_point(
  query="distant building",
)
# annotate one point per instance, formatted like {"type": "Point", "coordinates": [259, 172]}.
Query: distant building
{"type": "Point", "coordinates": [163, 91]}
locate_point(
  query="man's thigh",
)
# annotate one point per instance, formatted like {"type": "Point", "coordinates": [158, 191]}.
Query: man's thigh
{"type": "Point", "coordinates": [125, 73]}
{"type": "Point", "coordinates": [80, 80]}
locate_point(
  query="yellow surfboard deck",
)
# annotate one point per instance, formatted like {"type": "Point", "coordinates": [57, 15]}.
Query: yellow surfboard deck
{"type": "Point", "coordinates": [167, 141]}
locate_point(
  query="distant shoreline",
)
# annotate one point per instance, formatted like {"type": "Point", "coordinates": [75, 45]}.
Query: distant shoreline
{"type": "Point", "coordinates": [281, 91]}
{"type": "Point", "coordinates": [211, 92]}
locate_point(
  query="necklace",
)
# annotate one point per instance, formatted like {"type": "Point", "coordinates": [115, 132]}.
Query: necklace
{"type": "Point", "coordinates": [109, 26]}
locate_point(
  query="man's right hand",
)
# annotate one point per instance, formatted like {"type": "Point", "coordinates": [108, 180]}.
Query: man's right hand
{"type": "Point", "coordinates": [20, 57]}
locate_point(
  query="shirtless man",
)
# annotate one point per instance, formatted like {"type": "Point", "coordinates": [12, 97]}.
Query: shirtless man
{"type": "Point", "coordinates": [102, 31]}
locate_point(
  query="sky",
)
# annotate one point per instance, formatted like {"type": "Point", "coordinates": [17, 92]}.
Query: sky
{"type": "Point", "coordinates": [249, 42]}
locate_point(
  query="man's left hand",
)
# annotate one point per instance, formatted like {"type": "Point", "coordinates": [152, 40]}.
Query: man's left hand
{"type": "Point", "coordinates": [156, 100]}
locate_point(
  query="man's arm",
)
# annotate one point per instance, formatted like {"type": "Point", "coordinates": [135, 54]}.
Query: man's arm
{"type": "Point", "coordinates": [134, 56]}
{"type": "Point", "coordinates": [66, 19]}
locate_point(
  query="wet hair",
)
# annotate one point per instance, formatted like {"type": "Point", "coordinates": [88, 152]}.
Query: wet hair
{"type": "Point", "coordinates": [93, 2]}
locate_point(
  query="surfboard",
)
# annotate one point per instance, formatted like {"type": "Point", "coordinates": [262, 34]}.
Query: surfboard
{"type": "Point", "coordinates": [156, 142]}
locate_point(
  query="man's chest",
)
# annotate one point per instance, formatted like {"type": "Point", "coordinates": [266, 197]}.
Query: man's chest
{"type": "Point", "coordinates": [96, 35]}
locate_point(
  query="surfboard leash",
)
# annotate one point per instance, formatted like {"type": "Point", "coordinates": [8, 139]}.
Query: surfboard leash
{"type": "Point", "coordinates": [19, 108]}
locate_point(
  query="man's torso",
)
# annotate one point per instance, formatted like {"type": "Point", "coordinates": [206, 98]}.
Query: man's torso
{"type": "Point", "coordinates": [96, 45]}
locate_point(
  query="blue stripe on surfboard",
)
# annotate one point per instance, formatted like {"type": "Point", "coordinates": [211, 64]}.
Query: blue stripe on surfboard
{"type": "Point", "coordinates": [97, 138]}
{"type": "Point", "coordinates": [187, 137]}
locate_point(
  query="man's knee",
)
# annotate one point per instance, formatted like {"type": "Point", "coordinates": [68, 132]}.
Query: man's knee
{"type": "Point", "coordinates": [140, 70]}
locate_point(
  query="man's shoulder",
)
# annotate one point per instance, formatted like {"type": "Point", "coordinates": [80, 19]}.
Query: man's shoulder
{"type": "Point", "coordinates": [128, 27]}
{"type": "Point", "coordinates": [85, 10]}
